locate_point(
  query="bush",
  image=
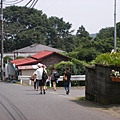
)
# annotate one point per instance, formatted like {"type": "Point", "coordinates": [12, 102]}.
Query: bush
{"type": "Point", "coordinates": [108, 59]}
{"type": "Point", "coordinates": [77, 67]}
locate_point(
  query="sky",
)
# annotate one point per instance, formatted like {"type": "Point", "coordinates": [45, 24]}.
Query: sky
{"type": "Point", "coordinates": [92, 14]}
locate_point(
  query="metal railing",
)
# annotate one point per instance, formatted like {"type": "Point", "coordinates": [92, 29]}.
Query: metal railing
{"type": "Point", "coordinates": [73, 78]}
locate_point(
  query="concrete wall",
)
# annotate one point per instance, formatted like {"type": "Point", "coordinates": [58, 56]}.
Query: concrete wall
{"type": "Point", "coordinates": [99, 86]}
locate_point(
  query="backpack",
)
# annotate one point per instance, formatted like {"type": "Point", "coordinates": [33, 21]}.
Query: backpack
{"type": "Point", "coordinates": [56, 75]}
{"type": "Point", "coordinates": [68, 74]}
{"type": "Point", "coordinates": [44, 76]}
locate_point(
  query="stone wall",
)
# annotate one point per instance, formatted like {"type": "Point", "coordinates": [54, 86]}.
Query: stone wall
{"type": "Point", "coordinates": [99, 86]}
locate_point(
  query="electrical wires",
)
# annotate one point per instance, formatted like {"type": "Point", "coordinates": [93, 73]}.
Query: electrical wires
{"type": "Point", "coordinates": [30, 3]}
{"type": "Point", "coordinates": [12, 2]}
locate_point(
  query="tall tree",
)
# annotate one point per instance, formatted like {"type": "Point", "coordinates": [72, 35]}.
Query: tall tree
{"type": "Point", "coordinates": [81, 32]}
{"type": "Point", "coordinates": [28, 25]}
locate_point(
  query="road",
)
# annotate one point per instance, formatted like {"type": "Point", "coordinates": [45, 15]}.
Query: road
{"type": "Point", "coordinates": [19, 102]}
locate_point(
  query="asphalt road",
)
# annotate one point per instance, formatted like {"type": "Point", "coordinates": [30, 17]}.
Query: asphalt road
{"type": "Point", "coordinates": [19, 102]}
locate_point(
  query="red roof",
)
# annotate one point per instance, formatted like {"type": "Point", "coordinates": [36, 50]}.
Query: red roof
{"type": "Point", "coordinates": [23, 61]}
{"type": "Point", "coordinates": [45, 53]}
{"type": "Point", "coordinates": [42, 54]}
{"type": "Point", "coordinates": [35, 58]}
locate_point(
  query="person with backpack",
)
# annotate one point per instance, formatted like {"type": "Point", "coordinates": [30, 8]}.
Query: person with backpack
{"type": "Point", "coordinates": [39, 76]}
{"type": "Point", "coordinates": [66, 79]}
{"type": "Point", "coordinates": [54, 78]}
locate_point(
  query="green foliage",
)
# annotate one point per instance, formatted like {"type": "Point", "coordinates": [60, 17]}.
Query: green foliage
{"type": "Point", "coordinates": [81, 32]}
{"type": "Point", "coordinates": [118, 29]}
{"type": "Point", "coordinates": [29, 26]}
{"type": "Point", "coordinates": [73, 54]}
{"type": "Point", "coordinates": [108, 59]}
{"type": "Point", "coordinates": [106, 33]}
{"type": "Point", "coordinates": [61, 67]}
{"type": "Point", "coordinates": [7, 59]}
{"type": "Point", "coordinates": [77, 67]}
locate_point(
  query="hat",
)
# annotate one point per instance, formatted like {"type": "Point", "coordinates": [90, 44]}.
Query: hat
{"type": "Point", "coordinates": [39, 65]}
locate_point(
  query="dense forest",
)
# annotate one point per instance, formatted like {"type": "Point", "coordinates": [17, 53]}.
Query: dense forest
{"type": "Point", "coordinates": [30, 26]}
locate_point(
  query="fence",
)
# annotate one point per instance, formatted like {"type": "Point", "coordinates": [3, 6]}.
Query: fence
{"type": "Point", "coordinates": [73, 78]}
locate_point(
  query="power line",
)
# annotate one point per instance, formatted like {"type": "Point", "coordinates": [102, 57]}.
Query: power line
{"type": "Point", "coordinates": [13, 2]}
{"type": "Point", "coordinates": [34, 2]}
{"type": "Point", "coordinates": [28, 3]}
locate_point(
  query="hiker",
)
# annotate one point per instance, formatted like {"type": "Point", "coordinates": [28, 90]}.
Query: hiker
{"type": "Point", "coordinates": [36, 82]}
{"type": "Point", "coordinates": [54, 78]}
{"type": "Point", "coordinates": [39, 73]}
{"type": "Point", "coordinates": [46, 79]}
{"type": "Point", "coordinates": [66, 79]}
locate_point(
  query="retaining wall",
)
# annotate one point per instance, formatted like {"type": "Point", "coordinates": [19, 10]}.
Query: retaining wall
{"type": "Point", "coordinates": [99, 86]}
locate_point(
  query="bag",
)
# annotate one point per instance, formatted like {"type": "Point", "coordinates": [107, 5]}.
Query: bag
{"type": "Point", "coordinates": [44, 76]}
{"type": "Point", "coordinates": [64, 77]}
{"type": "Point", "coordinates": [32, 78]}
{"type": "Point", "coordinates": [56, 75]}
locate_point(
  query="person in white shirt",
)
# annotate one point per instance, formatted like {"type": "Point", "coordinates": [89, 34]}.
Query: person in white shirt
{"type": "Point", "coordinates": [39, 73]}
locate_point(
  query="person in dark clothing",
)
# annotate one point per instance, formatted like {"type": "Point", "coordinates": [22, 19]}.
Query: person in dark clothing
{"type": "Point", "coordinates": [66, 79]}
{"type": "Point", "coordinates": [53, 78]}
{"type": "Point", "coordinates": [35, 82]}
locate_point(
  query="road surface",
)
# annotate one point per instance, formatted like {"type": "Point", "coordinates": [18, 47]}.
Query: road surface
{"type": "Point", "coordinates": [19, 102]}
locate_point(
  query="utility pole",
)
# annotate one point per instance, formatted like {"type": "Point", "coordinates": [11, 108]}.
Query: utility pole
{"type": "Point", "coordinates": [1, 34]}
{"type": "Point", "coordinates": [114, 25]}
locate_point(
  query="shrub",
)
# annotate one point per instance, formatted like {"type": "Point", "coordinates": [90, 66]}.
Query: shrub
{"type": "Point", "coordinates": [108, 59]}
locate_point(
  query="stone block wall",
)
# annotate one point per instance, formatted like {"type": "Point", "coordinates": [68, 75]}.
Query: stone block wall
{"type": "Point", "coordinates": [99, 86]}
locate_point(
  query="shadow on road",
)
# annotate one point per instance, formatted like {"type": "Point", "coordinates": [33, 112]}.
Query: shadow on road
{"type": "Point", "coordinates": [105, 108]}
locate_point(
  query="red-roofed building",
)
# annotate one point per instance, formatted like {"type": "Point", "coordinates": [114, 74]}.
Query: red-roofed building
{"type": "Point", "coordinates": [24, 61]}
{"type": "Point", "coordinates": [45, 57]}
{"type": "Point", "coordinates": [50, 58]}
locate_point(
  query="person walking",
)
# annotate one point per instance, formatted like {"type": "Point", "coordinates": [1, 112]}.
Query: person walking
{"type": "Point", "coordinates": [66, 79]}
{"type": "Point", "coordinates": [39, 73]}
{"type": "Point", "coordinates": [36, 82]}
{"type": "Point", "coordinates": [54, 78]}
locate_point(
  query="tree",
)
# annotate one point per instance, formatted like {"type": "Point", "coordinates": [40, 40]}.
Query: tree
{"type": "Point", "coordinates": [106, 33]}
{"type": "Point", "coordinates": [29, 26]}
{"type": "Point", "coordinates": [81, 32]}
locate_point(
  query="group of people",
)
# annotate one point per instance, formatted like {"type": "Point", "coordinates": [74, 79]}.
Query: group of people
{"type": "Point", "coordinates": [37, 78]}
{"type": "Point", "coordinates": [39, 83]}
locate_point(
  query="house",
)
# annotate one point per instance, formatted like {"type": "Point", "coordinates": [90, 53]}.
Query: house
{"type": "Point", "coordinates": [32, 49]}
{"type": "Point", "coordinates": [25, 65]}
{"type": "Point", "coordinates": [29, 51]}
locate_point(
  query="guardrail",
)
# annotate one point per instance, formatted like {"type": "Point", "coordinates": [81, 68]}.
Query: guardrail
{"type": "Point", "coordinates": [73, 78]}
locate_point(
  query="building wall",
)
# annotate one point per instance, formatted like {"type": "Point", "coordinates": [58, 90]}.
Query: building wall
{"type": "Point", "coordinates": [27, 72]}
{"type": "Point", "coordinates": [53, 59]}
{"type": "Point", "coordinates": [99, 86]}
{"type": "Point", "coordinates": [49, 60]}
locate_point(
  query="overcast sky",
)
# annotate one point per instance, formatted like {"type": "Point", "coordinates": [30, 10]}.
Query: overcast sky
{"type": "Point", "coordinates": [92, 14]}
